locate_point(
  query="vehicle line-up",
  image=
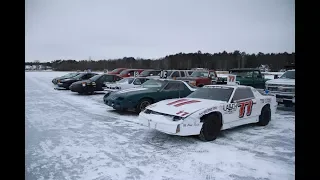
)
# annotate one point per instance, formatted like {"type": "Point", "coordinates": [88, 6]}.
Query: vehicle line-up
{"type": "Point", "coordinates": [188, 102]}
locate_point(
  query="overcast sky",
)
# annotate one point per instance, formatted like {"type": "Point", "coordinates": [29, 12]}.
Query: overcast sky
{"type": "Point", "coordinates": [103, 29]}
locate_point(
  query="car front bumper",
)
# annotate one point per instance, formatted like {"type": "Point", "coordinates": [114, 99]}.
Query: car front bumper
{"type": "Point", "coordinates": [119, 104]}
{"type": "Point", "coordinates": [164, 124]}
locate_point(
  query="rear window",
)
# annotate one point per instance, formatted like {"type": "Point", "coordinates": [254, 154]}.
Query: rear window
{"type": "Point", "coordinates": [213, 93]}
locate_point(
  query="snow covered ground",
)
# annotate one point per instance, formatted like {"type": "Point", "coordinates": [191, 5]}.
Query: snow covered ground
{"type": "Point", "coordinates": [71, 136]}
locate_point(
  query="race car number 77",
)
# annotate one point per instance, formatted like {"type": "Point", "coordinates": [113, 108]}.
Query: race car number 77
{"type": "Point", "coordinates": [243, 105]}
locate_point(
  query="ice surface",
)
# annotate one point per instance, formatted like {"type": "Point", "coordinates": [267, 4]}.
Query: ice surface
{"type": "Point", "coordinates": [72, 136]}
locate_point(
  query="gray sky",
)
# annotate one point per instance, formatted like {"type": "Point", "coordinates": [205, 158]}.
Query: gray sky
{"type": "Point", "coordinates": [103, 29]}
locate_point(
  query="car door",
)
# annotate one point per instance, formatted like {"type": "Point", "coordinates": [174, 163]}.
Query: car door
{"type": "Point", "coordinates": [243, 106]}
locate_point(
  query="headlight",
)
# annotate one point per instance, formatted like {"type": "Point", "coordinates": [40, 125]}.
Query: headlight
{"type": "Point", "coordinates": [83, 84]}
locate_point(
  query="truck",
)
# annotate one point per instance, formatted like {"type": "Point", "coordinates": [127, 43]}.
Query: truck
{"type": "Point", "coordinates": [200, 78]}
{"type": "Point", "coordinates": [283, 88]}
{"type": "Point", "coordinates": [248, 77]}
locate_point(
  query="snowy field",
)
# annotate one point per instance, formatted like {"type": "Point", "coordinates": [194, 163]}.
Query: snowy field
{"type": "Point", "coordinates": [71, 136]}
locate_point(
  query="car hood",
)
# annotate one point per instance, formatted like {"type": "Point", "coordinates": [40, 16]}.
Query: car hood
{"type": "Point", "coordinates": [183, 107]}
{"type": "Point", "coordinates": [132, 91]}
{"type": "Point", "coordinates": [281, 81]}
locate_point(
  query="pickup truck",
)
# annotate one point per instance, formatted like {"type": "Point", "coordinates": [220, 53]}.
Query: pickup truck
{"type": "Point", "coordinates": [249, 77]}
{"type": "Point", "coordinates": [200, 78]}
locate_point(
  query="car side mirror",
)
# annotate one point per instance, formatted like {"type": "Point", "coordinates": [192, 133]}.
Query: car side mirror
{"type": "Point", "coordinates": [276, 76]}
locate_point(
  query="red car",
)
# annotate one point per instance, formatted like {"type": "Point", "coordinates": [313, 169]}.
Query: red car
{"type": "Point", "coordinates": [200, 78]}
{"type": "Point", "coordinates": [117, 71]}
{"type": "Point", "coordinates": [130, 72]}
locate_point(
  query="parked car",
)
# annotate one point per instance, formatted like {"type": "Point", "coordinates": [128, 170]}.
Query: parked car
{"type": "Point", "coordinates": [126, 83]}
{"type": "Point", "coordinates": [249, 77]}
{"type": "Point", "coordinates": [151, 91]}
{"type": "Point", "coordinates": [200, 78]}
{"type": "Point", "coordinates": [283, 88]}
{"type": "Point", "coordinates": [95, 83]}
{"type": "Point", "coordinates": [172, 74]}
{"type": "Point", "coordinates": [131, 72]}
{"type": "Point", "coordinates": [209, 110]}
{"type": "Point", "coordinates": [69, 75]}
{"type": "Point", "coordinates": [150, 72]}
{"type": "Point", "coordinates": [65, 83]}
{"type": "Point", "coordinates": [117, 71]}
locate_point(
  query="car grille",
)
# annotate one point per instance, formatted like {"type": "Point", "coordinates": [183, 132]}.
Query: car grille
{"type": "Point", "coordinates": [273, 88]}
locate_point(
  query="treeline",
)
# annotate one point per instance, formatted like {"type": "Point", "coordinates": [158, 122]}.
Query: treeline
{"type": "Point", "coordinates": [217, 61]}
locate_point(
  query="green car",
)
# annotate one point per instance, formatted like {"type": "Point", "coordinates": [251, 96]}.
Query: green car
{"type": "Point", "coordinates": [152, 91]}
{"type": "Point", "coordinates": [249, 77]}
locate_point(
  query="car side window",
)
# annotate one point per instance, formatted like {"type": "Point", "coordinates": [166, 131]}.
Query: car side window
{"type": "Point", "coordinates": [131, 73]}
{"type": "Point", "coordinates": [242, 94]}
{"type": "Point", "coordinates": [117, 78]}
{"type": "Point", "coordinates": [84, 77]}
{"type": "Point", "coordinates": [137, 82]}
{"type": "Point", "coordinates": [172, 86]}
{"type": "Point", "coordinates": [182, 73]}
{"type": "Point", "coordinates": [190, 72]}
{"type": "Point", "coordinates": [181, 86]}
{"type": "Point", "coordinates": [175, 74]}
{"type": "Point", "coordinates": [256, 74]}
{"type": "Point", "coordinates": [212, 74]}
{"type": "Point", "coordinates": [143, 80]}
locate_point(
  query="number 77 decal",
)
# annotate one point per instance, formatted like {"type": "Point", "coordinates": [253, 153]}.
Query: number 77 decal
{"type": "Point", "coordinates": [243, 105]}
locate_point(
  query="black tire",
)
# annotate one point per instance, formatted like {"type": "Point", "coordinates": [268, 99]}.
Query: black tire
{"type": "Point", "coordinates": [265, 116]}
{"type": "Point", "coordinates": [143, 103]}
{"type": "Point", "coordinates": [200, 85]}
{"type": "Point", "coordinates": [211, 127]}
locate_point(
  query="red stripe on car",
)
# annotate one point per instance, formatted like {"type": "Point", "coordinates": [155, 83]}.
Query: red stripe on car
{"type": "Point", "coordinates": [180, 100]}
{"type": "Point", "coordinates": [187, 102]}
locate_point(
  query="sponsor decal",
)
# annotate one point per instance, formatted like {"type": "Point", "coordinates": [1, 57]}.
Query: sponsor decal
{"type": "Point", "coordinates": [207, 111]}
{"type": "Point", "coordinates": [230, 108]}
{"type": "Point", "coordinates": [180, 100]}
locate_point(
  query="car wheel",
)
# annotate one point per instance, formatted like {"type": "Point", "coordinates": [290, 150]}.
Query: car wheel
{"type": "Point", "coordinates": [143, 103]}
{"type": "Point", "coordinates": [211, 127]}
{"type": "Point", "coordinates": [265, 116]}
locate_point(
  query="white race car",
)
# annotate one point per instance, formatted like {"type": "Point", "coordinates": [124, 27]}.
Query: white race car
{"type": "Point", "coordinates": [209, 110]}
{"type": "Point", "coordinates": [125, 83]}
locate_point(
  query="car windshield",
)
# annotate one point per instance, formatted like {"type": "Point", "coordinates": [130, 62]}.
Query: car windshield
{"type": "Point", "coordinates": [126, 81]}
{"type": "Point", "coordinates": [153, 83]}
{"type": "Point", "coordinates": [117, 70]}
{"type": "Point", "coordinates": [199, 74]}
{"type": "Point", "coordinates": [242, 74]}
{"type": "Point", "coordinates": [125, 72]}
{"type": "Point", "coordinates": [69, 75]}
{"type": "Point", "coordinates": [145, 73]}
{"type": "Point", "coordinates": [96, 77]}
{"type": "Point", "coordinates": [78, 76]}
{"type": "Point", "coordinates": [289, 75]}
{"type": "Point", "coordinates": [217, 93]}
